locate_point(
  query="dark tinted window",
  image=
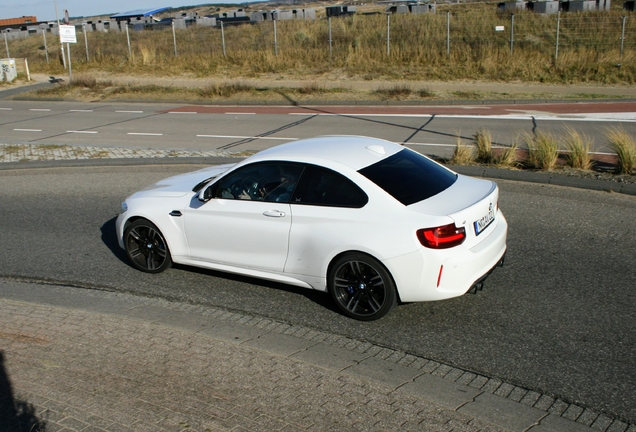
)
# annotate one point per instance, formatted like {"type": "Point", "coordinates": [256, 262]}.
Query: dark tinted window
{"type": "Point", "coordinates": [409, 177]}
{"type": "Point", "coordinates": [324, 187]}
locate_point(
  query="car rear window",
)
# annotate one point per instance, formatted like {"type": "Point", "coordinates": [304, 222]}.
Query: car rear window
{"type": "Point", "coordinates": [409, 176]}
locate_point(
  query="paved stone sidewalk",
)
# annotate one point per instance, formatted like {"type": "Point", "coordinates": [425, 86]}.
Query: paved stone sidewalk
{"type": "Point", "coordinates": [87, 371]}
{"type": "Point", "coordinates": [38, 152]}
{"type": "Point", "coordinates": [86, 360]}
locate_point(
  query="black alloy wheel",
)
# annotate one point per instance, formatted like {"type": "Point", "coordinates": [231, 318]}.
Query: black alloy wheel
{"type": "Point", "coordinates": [146, 248]}
{"type": "Point", "coordinates": [362, 288]}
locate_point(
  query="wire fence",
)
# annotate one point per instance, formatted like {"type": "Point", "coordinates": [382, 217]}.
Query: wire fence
{"type": "Point", "coordinates": [360, 42]}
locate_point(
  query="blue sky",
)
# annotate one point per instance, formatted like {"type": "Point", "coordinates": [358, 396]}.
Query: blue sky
{"type": "Point", "coordinates": [44, 10]}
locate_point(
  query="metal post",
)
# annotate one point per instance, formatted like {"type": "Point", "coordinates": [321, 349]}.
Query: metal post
{"type": "Point", "coordinates": [70, 68]}
{"type": "Point", "coordinates": [128, 38]}
{"type": "Point", "coordinates": [223, 39]}
{"type": "Point", "coordinates": [26, 66]}
{"type": "Point", "coordinates": [46, 48]}
{"type": "Point", "coordinates": [6, 44]}
{"type": "Point", "coordinates": [330, 40]}
{"type": "Point", "coordinates": [512, 33]}
{"type": "Point", "coordinates": [623, 36]}
{"type": "Point", "coordinates": [174, 38]}
{"type": "Point", "coordinates": [85, 41]}
{"type": "Point", "coordinates": [275, 40]}
{"type": "Point", "coordinates": [448, 33]}
{"type": "Point", "coordinates": [57, 18]}
{"type": "Point", "coordinates": [388, 35]}
{"type": "Point", "coordinates": [556, 52]}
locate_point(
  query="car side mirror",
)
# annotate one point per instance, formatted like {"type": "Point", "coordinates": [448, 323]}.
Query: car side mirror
{"type": "Point", "coordinates": [207, 193]}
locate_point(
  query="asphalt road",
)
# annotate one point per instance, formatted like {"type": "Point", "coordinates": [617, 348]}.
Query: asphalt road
{"type": "Point", "coordinates": [559, 318]}
{"type": "Point", "coordinates": [431, 130]}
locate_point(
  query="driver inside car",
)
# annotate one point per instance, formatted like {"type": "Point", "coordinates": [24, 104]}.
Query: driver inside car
{"type": "Point", "coordinates": [276, 191]}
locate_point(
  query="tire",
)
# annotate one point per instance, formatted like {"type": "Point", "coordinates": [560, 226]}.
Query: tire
{"type": "Point", "coordinates": [146, 248]}
{"type": "Point", "coordinates": [361, 287]}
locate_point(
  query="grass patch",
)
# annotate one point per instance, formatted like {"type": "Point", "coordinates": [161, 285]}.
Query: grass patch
{"type": "Point", "coordinates": [312, 89]}
{"type": "Point", "coordinates": [463, 154]}
{"type": "Point", "coordinates": [625, 147]}
{"type": "Point", "coordinates": [506, 157]}
{"type": "Point", "coordinates": [11, 149]}
{"type": "Point", "coordinates": [468, 95]}
{"type": "Point", "coordinates": [397, 91]}
{"type": "Point", "coordinates": [578, 146]}
{"type": "Point", "coordinates": [226, 90]}
{"type": "Point", "coordinates": [543, 150]}
{"type": "Point", "coordinates": [483, 143]}
{"type": "Point", "coordinates": [426, 93]}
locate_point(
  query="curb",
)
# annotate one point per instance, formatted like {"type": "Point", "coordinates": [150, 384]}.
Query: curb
{"type": "Point", "coordinates": [547, 178]}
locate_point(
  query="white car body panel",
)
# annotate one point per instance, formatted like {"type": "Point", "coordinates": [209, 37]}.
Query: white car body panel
{"type": "Point", "coordinates": [242, 234]}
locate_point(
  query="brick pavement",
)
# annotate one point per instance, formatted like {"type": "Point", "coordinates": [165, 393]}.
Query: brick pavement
{"type": "Point", "coordinates": [83, 371]}
{"type": "Point", "coordinates": [84, 360]}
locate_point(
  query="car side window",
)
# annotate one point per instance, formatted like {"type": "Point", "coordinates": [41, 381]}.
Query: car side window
{"type": "Point", "coordinates": [261, 181]}
{"type": "Point", "coordinates": [325, 187]}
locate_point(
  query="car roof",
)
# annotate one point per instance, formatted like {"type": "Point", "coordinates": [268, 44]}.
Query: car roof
{"type": "Point", "coordinates": [355, 152]}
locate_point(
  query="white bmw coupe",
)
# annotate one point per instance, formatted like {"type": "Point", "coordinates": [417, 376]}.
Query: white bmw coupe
{"type": "Point", "coordinates": [369, 221]}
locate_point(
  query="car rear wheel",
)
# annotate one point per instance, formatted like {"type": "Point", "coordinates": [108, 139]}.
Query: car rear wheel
{"type": "Point", "coordinates": [361, 287]}
{"type": "Point", "coordinates": [146, 248]}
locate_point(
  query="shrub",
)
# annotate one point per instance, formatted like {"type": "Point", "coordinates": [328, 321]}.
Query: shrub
{"type": "Point", "coordinates": [625, 147]}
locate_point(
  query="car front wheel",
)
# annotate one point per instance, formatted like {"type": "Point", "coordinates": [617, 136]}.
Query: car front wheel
{"type": "Point", "coordinates": [146, 248]}
{"type": "Point", "coordinates": [361, 287]}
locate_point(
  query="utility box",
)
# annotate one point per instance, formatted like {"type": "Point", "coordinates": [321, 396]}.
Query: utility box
{"type": "Point", "coordinates": [9, 71]}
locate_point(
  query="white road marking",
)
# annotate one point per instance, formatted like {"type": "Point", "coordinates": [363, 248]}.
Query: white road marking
{"type": "Point", "coordinates": [6, 109]}
{"type": "Point", "coordinates": [28, 130]}
{"type": "Point", "coordinates": [246, 137]}
{"type": "Point", "coordinates": [145, 134]}
{"type": "Point", "coordinates": [595, 117]}
{"type": "Point", "coordinates": [40, 109]}
{"type": "Point", "coordinates": [80, 110]}
{"type": "Point", "coordinates": [82, 132]}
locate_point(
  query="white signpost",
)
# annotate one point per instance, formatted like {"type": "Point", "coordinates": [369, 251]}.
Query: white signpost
{"type": "Point", "coordinates": [68, 36]}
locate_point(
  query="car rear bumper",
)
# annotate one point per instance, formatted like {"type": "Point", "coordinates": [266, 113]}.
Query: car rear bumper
{"type": "Point", "coordinates": [450, 274]}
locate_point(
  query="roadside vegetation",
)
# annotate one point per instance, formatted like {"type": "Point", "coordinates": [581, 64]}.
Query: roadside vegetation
{"type": "Point", "coordinates": [548, 152]}
{"type": "Point", "coordinates": [589, 51]}
{"type": "Point", "coordinates": [625, 147]}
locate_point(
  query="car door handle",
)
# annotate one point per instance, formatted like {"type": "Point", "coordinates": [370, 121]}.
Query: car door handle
{"type": "Point", "coordinates": [274, 213]}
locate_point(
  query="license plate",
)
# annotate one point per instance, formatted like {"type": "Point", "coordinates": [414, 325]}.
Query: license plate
{"type": "Point", "coordinates": [482, 223]}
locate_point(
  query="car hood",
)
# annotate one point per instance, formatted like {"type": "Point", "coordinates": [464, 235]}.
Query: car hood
{"type": "Point", "coordinates": [182, 184]}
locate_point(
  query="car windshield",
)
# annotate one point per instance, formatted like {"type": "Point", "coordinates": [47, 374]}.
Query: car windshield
{"type": "Point", "coordinates": [409, 176]}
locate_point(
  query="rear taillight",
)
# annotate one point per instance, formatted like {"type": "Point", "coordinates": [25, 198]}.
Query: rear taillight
{"type": "Point", "coordinates": [443, 237]}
